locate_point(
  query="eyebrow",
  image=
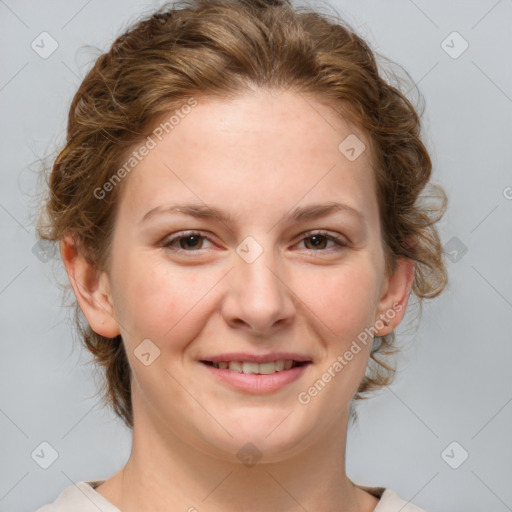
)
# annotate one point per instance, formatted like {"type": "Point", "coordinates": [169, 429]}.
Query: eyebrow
{"type": "Point", "coordinates": [203, 211]}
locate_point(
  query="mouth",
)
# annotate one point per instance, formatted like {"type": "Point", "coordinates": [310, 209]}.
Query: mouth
{"type": "Point", "coordinates": [255, 377]}
{"type": "Point", "coordinates": [254, 368]}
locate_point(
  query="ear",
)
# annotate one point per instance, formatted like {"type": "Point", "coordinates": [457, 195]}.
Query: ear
{"type": "Point", "coordinates": [395, 296]}
{"type": "Point", "coordinates": [91, 287]}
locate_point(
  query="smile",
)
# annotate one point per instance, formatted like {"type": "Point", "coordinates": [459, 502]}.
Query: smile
{"type": "Point", "coordinates": [250, 367]}
{"type": "Point", "coordinates": [256, 378]}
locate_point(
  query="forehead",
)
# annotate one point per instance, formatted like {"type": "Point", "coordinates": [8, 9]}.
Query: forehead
{"type": "Point", "coordinates": [262, 149]}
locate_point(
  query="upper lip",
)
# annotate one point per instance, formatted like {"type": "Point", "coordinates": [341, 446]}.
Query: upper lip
{"type": "Point", "coordinates": [262, 358]}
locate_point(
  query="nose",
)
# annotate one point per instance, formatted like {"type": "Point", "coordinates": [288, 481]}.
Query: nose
{"type": "Point", "coordinates": [259, 299]}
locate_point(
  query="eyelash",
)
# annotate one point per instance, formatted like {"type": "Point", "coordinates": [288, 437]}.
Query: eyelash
{"type": "Point", "coordinates": [338, 241]}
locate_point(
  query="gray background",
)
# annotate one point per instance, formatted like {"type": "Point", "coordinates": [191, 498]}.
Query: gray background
{"type": "Point", "coordinates": [454, 380]}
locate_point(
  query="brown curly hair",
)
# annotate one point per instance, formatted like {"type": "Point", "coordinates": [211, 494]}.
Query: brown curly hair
{"type": "Point", "coordinates": [222, 48]}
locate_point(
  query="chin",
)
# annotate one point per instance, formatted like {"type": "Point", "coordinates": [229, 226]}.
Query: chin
{"type": "Point", "coordinates": [256, 435]}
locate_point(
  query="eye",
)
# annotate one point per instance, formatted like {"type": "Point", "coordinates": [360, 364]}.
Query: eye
{"type": "Point", "coordinates": [320, 238]}
{"type": "Point", "coordinates": [191, 240]}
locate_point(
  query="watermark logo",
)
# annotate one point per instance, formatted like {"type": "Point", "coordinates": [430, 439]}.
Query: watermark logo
{"type": "Point", "coordinates": [44, 455]}
{"type": "Point", "coordinates": [44, 250]}
{"type": "Point", "coordinates": [305, 397]}
{"type": "Point", "coordinates": [352, 147]}
{"type": "Point", "coordinates": [454, 455]}
{"type": "Point", "coordinates": [249, 455]}
{"type": "Point", "coordinates": [455, 249]}
{"type": "Point", "coordinates": [249, 249]}
{"type": "Point", "coordinates": [454, 45]}
{"type": "Point", "coordinates": [44, 45]}
{"type": "Point", "coordinates": [146, 352]}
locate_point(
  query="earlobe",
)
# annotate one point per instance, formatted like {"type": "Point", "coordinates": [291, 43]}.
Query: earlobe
{"type": "Point", "coordinates": [91, 287]}
{"type": "Point", "coordinates": [393, 303]}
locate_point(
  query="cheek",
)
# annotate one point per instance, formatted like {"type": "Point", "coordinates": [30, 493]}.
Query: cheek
{"type": "Point", "coordinates": [342, 299]}
{"type": "Point", "coordinates": [344, 305]}
{"type": "Point", "coordinates": [161, 301]}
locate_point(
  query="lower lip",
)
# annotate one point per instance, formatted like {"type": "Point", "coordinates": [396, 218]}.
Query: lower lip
{"type": "Point", "coordinates": [256, 383]}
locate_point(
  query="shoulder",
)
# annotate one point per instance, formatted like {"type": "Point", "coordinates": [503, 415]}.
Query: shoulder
{"type": "Point", "coordinates": [79, 497]}
{"type": "Point", "coordinates": [389, 501]}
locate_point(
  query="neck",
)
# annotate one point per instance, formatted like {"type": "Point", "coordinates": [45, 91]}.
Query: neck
{"type": "Point", "coordinates": [164, 472]}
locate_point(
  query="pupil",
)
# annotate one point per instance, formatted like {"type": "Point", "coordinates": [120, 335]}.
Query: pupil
{"type": "Point", "coordinates": [187, 238]}
{"type": "Point", "coordinates": [318, 239]}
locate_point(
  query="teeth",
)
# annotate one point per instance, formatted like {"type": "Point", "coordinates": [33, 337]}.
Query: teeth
{"type": "Point", "coordinates": [250, 367]}
{"type": "Point", "coordinates": [235, 366]}
{"type": "Point", "coordinates": [266, 368]}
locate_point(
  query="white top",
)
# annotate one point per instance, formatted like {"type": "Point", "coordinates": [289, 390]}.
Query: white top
{"type": "Point", "coordinates": [82, 497]}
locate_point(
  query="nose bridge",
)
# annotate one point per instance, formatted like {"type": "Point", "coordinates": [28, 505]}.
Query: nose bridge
{"type": "Point", "coordinates": [260, 297]}
{"type": "Point", "coordinates": [258, 265]}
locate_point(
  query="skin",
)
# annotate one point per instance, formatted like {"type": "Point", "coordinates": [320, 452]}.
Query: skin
{"type": "Point", "coordinates": [258, 156]}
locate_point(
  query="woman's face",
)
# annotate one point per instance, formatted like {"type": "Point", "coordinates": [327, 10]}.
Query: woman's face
{"type": "Point", "coordinates": [260, 281]}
